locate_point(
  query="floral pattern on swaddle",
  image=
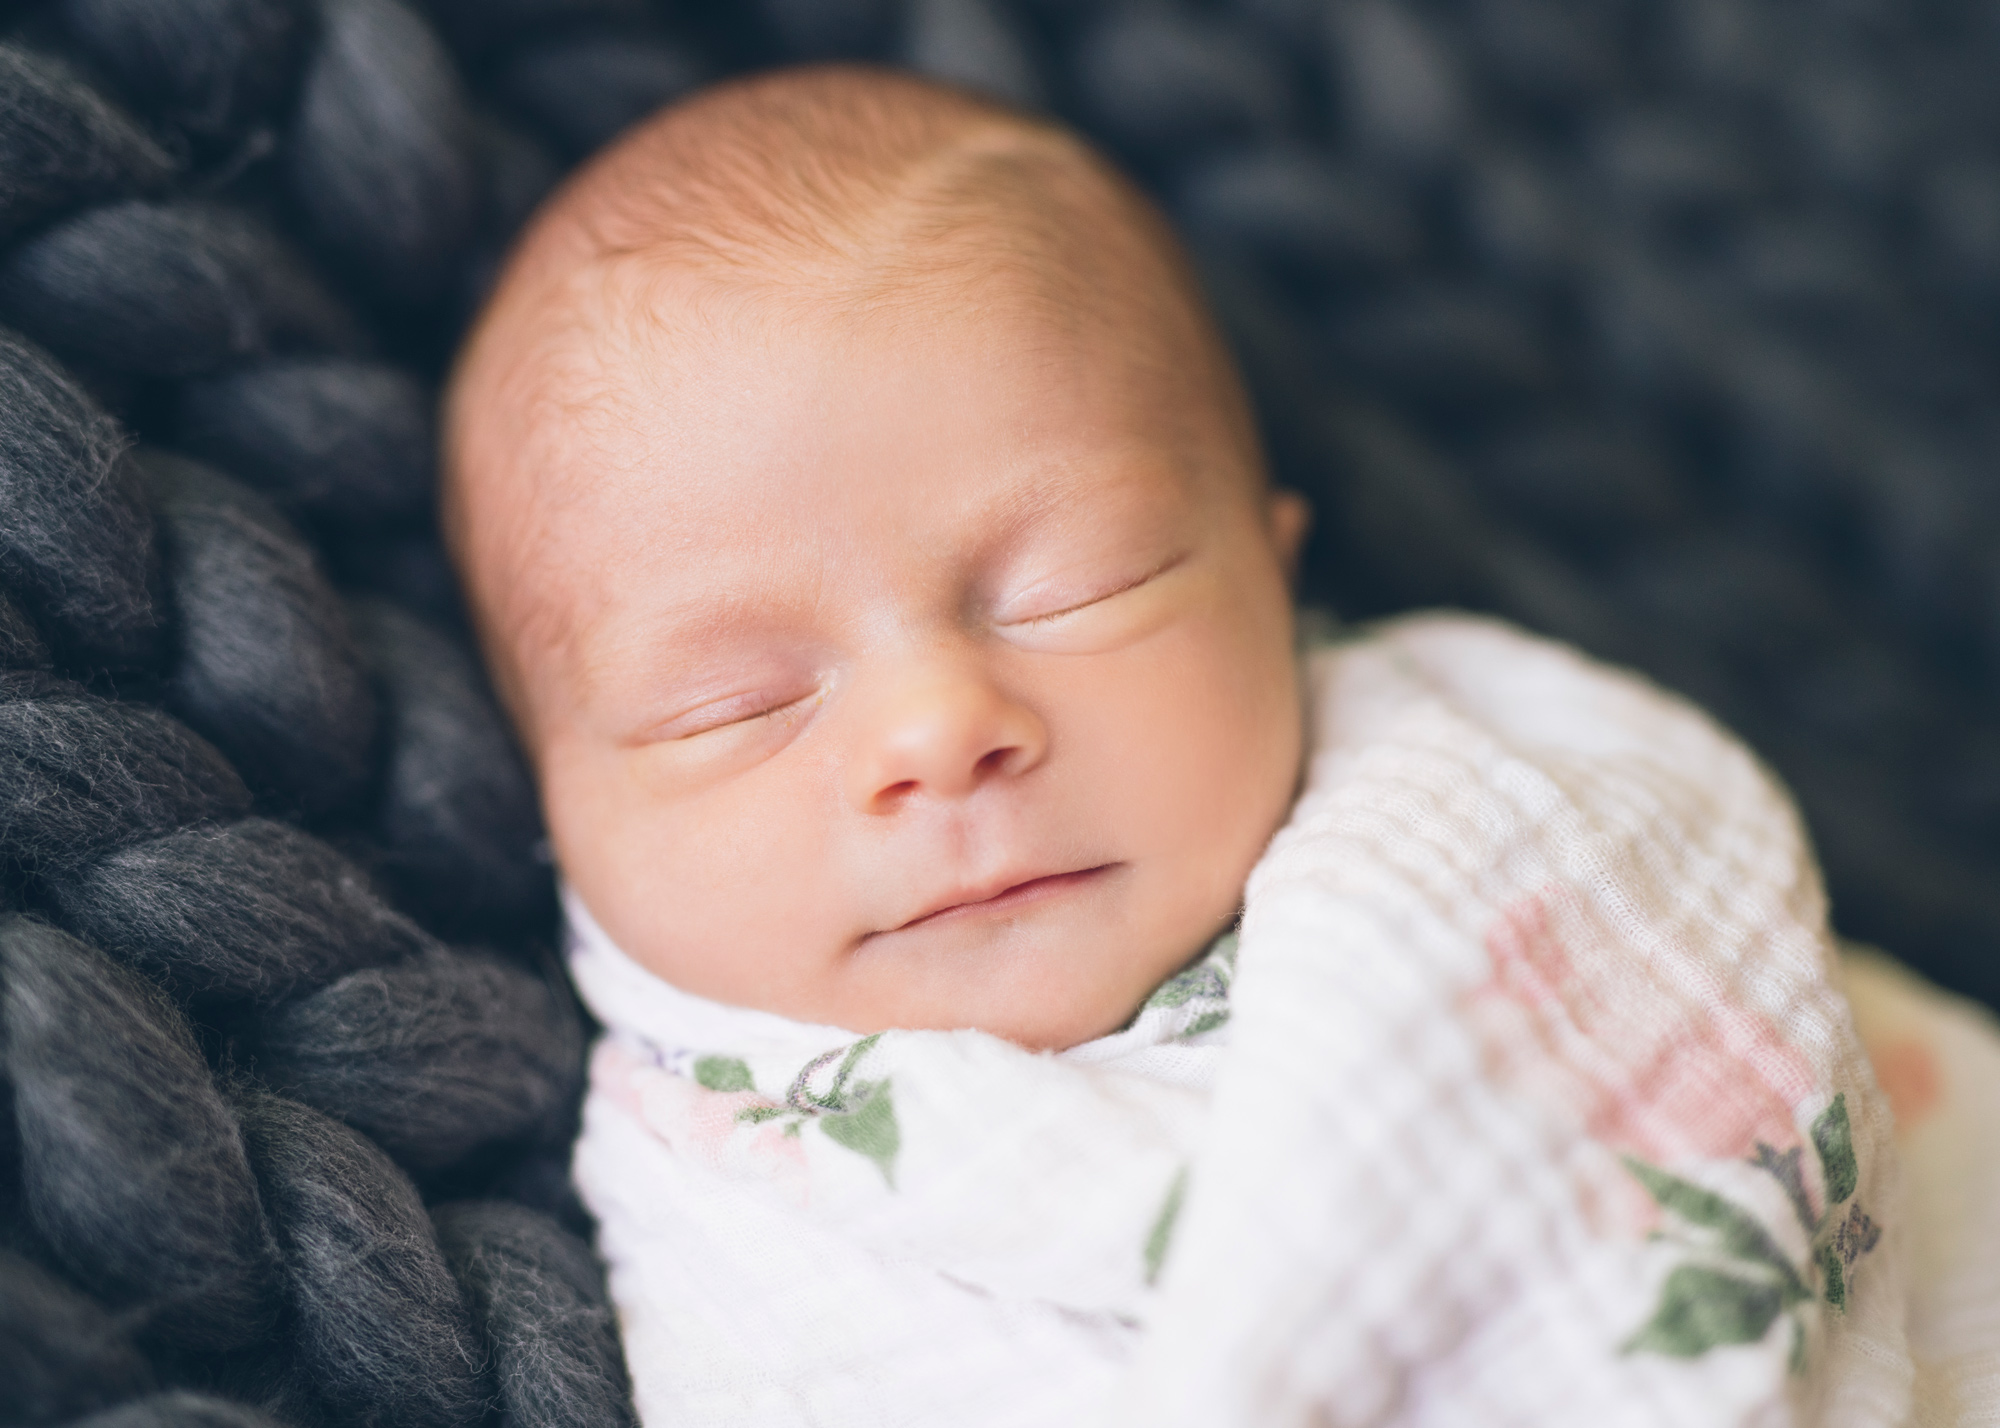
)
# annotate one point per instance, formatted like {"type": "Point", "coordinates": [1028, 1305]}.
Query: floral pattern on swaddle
{"type": "Point", "coordinates": [700, 1101]}
{"type": "Point", "coordinates": [1193, 1002]}
{"type": "Point", "coordinates": [792, 1115]}
{"type": "Point", "coordinates": [856, 1114]}
{"type": "Point", "coordinates": [1700, 1083]}
{"type": "Point", "coordinates": [1737, 1280]}
{"type": "Point", "coordinates": [859, 1114]}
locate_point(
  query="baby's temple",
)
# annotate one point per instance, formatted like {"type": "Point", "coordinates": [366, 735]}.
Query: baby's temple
{"type": "Point", "coordinates": [835, 769]}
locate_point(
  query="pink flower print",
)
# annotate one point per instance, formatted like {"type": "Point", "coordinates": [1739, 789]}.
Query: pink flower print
{"type": "Point", "coordinates": [705, 1125]}
{"type": "Point", "coordinates": [1665, 1073]}
{"type": "Point", "coordinates": [1660, 1066]}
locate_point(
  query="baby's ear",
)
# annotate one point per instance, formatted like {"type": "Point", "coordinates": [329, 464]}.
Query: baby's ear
{"type": "Point", "coordinates": [1289, 516]}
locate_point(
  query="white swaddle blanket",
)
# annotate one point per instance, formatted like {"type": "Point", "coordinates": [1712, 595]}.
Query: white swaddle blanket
{"type": "Point", "coordinates": [1527, 1095]}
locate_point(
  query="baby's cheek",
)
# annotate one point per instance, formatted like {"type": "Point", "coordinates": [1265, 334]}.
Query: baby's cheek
{"type": "Point", "coordinates": [718, 885]}
{"type": "Point", "coordinates": [1202, 733]}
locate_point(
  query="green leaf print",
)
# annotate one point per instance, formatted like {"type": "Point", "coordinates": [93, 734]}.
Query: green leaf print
{"type": "Point", "coordinates": [1203, 1024]}
{"type": "Point", "coordinates": [1740, 1234]}
{"type": "Point", "coordinates": [857, 1115]}
{"type": "Point", "coordinates": [869, 1128]}
{"type": "Point", "coordinates": [723, 1073]}
{"type": "Point", "coordinates": [1787, 1169]}
{"type": "Point", "coordinates": [1161, 1236]}
{"type": "Point", "coordinates": [1208, 978]}
{"type": "Point", "coordinates": [1836, 1277]}
{"type": "Point", "coordinates": [1184, 987]}
{"type": "Point", "coordinates": [802, 1097]}
{"type": "Point", "coordinates": [1702, 1308]}
{"type": "Point", "coordinates": [1833, 1137]}
{"type": "Point", "coordinates": [1704, 1304]}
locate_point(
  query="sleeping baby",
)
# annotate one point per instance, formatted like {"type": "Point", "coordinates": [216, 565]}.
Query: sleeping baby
{"type": "Point", "coordinates": [1039, 988]}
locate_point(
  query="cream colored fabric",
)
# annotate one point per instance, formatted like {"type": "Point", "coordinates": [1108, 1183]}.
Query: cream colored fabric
{"type": "Point", "coordinates": [1529, 1097]}
{"type": "Point", "coordinates": [1938, 1058]}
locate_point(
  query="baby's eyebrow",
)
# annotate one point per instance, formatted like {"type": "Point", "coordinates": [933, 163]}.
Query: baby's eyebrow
{"type": "Point", "coordinates": [663, 639]}
{"type": "Point", "coordinates": [1057, 489]}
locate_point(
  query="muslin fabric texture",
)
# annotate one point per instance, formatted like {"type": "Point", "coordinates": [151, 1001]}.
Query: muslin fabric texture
{"type": "Point", "coordinates": [1528, 1093]}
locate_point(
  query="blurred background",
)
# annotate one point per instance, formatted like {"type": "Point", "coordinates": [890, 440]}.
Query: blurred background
{"type": "Point", "coordinates": [1667, 327]}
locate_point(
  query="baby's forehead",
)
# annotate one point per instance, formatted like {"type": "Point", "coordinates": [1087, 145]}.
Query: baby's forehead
{"type": "Point", "coordinates": [730, 416]}
{"type": "Point", "coordinates": [699, 472]}
{"type": "Point", "coordinates": [759, 210]}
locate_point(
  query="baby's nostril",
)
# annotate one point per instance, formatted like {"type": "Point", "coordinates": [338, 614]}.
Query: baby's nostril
{"type": "Point", "coordinates": [993, 761]}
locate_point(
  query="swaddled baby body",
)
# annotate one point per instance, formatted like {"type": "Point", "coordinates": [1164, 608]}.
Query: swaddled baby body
{"type": "Point", "coordinates": [868, 535]}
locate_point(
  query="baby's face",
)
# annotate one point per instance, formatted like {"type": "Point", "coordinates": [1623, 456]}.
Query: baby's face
{"type": "Point", "coordinates": [924, 671]}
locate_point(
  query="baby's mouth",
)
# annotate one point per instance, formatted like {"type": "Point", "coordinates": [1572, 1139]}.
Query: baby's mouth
{"type": "Point", "coordinates": [1010, 897]}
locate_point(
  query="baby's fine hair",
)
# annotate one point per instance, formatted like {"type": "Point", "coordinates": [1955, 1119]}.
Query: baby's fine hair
{"type": "Point", "coordinates": [869, 179]}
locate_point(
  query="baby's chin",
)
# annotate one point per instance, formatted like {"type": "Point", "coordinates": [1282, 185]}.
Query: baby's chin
{"type": "Point", "coordinates": [1045, 1010]}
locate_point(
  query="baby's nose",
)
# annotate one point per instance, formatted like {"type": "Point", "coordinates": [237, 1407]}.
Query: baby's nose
{"type": "Point", "coordinates": [941, 730]}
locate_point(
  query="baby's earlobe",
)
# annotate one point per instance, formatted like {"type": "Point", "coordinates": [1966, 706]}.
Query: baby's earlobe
{"type": "Point", "coordinates": [1289, 516]}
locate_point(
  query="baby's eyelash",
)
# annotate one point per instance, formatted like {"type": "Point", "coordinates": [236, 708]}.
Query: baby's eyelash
{"type": "Point", "coordinates": [769, 711]}
{"type": "Point", "coordinates": [746, 713]}
{"type": "Point", "coordinates": [790, 704]}
{"type": "Point", "coordinates": [1153, 574]}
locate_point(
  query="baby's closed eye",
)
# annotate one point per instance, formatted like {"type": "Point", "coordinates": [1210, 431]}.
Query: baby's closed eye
{"type": "Point", "coordinates": [730, 710]}
{"type": "Point", "coordinates": [722, 701]}
{"type": "Point", "coordinates": [1090, 607]}
{"type": "Point", "coordinates": [1053, 598]}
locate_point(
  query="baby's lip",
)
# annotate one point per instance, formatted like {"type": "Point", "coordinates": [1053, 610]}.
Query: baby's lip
{"type": "Point", "coordinates": [1004, 895]}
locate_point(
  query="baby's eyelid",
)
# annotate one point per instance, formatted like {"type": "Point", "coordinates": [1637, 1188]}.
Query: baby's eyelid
{"type": "Point", "coordinates": [1044, 616]}
{"type": "Point", "coordinates": [733, 710]}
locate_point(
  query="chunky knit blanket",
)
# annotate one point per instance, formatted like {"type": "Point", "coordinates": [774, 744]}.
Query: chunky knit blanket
{"type": "Point", "coordinates": [1526, 1094]}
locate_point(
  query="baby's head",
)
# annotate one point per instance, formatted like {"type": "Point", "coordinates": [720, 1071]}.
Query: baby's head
{"type": "Point", "coordinates": [869, 537]}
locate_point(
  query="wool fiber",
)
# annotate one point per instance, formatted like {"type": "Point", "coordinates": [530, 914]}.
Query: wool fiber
{"type": "Point", "coordinates": [541, 1181]}
{"type": "Point", "coordinates": [80, 775]}
{"type": "Point", "coordinates": [132, 1164]}
{"type": "Point", "coordinates": [62, 143]}
{"type": "Point", "coordinates": [480, 26]}
{"type": "Point", "coordinates": [975, 45]}
{"type": "Point", "coordinates": [458, 815]}
{"type": "Point", "coordinates": [434, 1057]}
{"type": "Point", "coordinates": [169, 290]}
{"type": "Point", "coordinates": [14, 1228]}
{"type": "Point", "coordinates": [1162, 78]}
{"type": "Point", "coordinates": [520, 172]}
{"type": "Point", "coordinates": [382, 153]}
{"type": "Point", "coordinates": [330, 439]}
{"type": "Point", "coordinates": [408, 568]}
{"type": "Point", "coordinates": [251, 911]}
{"type": "Point", "coordinates": [381, 1333]}
{"type": "Point", "coordinates": [539, 1295]}
{"type": "Point", "coordinates": [208, 67]}
{"type": "Point", "coordinates": [178, 1409]}
{"type": "Point", "coordinates": [829, 29]}
{"type": "Point", "coordinates": [583, 89]}
{"type": "Point", "coordinates": [1297, 211]}
{"type": "Point", "coordinates": [76, 548]}
{"type": "Point", "coordinates": [21, 644]}
{"type": "Point", "coordinates": [266, 667]}
{"type": "Point", "coordinates": [61, 1354]}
